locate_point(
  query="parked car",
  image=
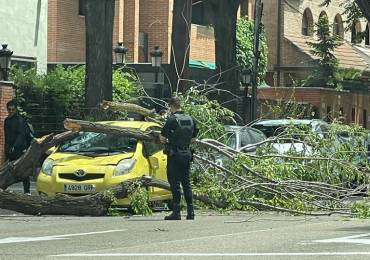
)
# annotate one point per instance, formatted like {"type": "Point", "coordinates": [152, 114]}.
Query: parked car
{"type": "Point", "coordinates": [241, 139]}
{"type": "Point", "coordinates": [273, 127]}
{"type": "Point", "coordinates": [92, 162]}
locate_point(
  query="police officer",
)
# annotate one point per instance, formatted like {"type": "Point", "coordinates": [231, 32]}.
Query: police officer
{"type": "Point", "coordinates": [177, 134]}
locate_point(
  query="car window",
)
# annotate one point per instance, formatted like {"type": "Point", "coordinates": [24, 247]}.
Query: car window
{"type": "Point", "coordinates": [151, 148]}
{"type": "Point", "coordinates": [231, 140]}
{"type": "Point", "coordinates": [99, 142]}
{"type": "Point", "coordinates": [250, 136]}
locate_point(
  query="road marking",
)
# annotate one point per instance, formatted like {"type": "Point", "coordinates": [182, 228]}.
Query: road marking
{"type": "Point", "coordinates": [152, 245]}
{"type": "Point", "coordinates": [10, 240]}
{"type": "Point", "coordinates": [348, 239]}
{"type": "Point", "coordinates": [217, 254]}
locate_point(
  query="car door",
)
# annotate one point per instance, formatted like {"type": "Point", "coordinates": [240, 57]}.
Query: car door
{"type": "Point", "coordinates": [157, 163]}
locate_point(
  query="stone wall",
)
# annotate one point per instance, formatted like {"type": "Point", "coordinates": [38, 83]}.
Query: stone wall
{"type": "Point", "coordinates": [355, 107]}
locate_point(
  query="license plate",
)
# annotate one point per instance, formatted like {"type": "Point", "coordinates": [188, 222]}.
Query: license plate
{"type": "Point", "coordinates": [79, 188]}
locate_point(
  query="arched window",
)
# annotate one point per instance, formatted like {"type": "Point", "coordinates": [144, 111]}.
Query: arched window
{"type": "Point", "coordinates": [307, 23]}
{"type": "Point", "coordinates": [322, 14]}
{"type": "Point", "coordinates": [338, 26]}
{"type": "Point", "coordinates": [356, 32]}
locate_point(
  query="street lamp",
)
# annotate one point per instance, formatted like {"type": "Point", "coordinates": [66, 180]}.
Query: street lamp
{"type": "Point", "coordinates": [5, 55]}
{"type": "Point", "coordinates": [120, 52]}
{"type": "Point", "coordinates": [156, 55]}
{"type": "Point", "coordinates": [246, 77]}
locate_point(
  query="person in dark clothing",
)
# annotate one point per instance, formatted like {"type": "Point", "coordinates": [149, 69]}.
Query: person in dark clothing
{"type": "Point", "coordinates": [16, 142]}
{"type": "Point", "coordinates": [177, 134]}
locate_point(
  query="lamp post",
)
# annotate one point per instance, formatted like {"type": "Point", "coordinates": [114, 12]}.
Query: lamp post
{"type": "Point", "coordinates": [5, 55]}
{"type": "Point", "coordinates": [246, 77]}
{"type": "Point", "coordinates": [156, 55]}
{"type": "Point", "coordinates": [246, 81]}
{"type": "Point", "coordinates": [120, 52]}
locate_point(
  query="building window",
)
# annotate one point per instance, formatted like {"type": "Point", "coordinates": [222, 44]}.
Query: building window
{"type": "Point", "coordinates": [338, 26]}
{"type": "Point", "coordinates": [356, 33]}
{"type": "Point", "coordinates": [307, 23]}
{"type": "Point", "coordinates": [23, 64]}
{"type": "Point", "coordinates": [81, 9]}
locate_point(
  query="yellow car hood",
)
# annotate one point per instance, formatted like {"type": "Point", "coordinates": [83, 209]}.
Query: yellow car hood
{"type": "Point", "coordinates": [67, 159]}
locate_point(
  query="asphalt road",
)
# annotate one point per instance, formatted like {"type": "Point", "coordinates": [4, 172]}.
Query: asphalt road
{"type": "Point", "coordinates": [210, 236]}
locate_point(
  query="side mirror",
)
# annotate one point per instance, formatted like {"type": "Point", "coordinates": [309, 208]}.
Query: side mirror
{"type": "Point", "coordinates": [154, 163]}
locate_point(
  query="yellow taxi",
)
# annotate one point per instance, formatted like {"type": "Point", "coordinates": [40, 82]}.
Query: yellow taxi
{"type": "Point", "coordinates": [92, 162]}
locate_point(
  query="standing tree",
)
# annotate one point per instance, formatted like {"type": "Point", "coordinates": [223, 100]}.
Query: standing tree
{"type": "Point", "coordinates": [355, 6]}
{"type": "Point", "coordinates": [244, 47]}
{"type": "Point", "coordinates": [326, 72]}
{"type": "Point", "coordinates": [224, 17]}
{"type": "Point", "coordinates": [181, 31]}
{"type": "Point", "coordinates": [99, 15]}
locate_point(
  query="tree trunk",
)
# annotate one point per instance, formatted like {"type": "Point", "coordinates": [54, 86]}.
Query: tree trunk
{"type": "Point", "coordinates": [96, 204]}
{"type": "Point", "coordinates": [86, 126]}
{"type": "Point", "coordinates": [99, 36]}
{"type": "Point", "coordinates": [15, 171]}
{"type": "Point", "coordinates": [181, 31]}
{"type": "Point", "coordinates": [365, 8]}
{"type": "Point", "coordinates": [224, 14]}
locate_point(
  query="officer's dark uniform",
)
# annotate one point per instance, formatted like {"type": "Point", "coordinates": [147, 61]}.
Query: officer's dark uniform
{"type": "Point", "coordinates": [179, 129]}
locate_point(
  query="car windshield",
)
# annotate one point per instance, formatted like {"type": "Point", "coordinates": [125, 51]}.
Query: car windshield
{"type": "Point", "coordinates": [247, 136]}
{"type": "Point", "coordinates": [89, 142]}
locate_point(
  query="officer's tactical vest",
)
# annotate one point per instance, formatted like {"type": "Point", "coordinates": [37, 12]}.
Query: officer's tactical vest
{"type": "Point", "coordinates": [182, 135]}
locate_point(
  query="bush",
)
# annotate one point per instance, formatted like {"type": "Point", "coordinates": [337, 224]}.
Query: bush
{"type": "Point", "coordinates": [47, 99]}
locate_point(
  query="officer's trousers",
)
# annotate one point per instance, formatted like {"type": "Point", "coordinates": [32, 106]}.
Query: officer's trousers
{"type": "Point", "coordinates": [178, 170]}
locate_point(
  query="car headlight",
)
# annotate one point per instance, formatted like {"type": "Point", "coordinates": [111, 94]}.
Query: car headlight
{"type": "Point", "coordinates": [124, 167]}
{"type": "Point", "coordinates": [47, 167]}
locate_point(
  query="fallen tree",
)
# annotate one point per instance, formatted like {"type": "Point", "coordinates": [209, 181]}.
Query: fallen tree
{"type": "Point", "coordinates": [15, 171]}
{"type": "Point", "coordinates": [300, 184]}
{"type": "Point", "coordinates": [96, 204]}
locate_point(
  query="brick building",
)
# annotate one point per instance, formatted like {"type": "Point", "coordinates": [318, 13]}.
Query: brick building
{"type": "Point", "coordinates": [289, 26]}
{"type": "Point", "coordinates": [139, 24]}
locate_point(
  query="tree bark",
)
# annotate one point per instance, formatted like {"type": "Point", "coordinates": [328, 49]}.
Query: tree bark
{"type": "Point", "coordinates": [224, 15]}
{"type": "Point", "coordinates": [99, 36]}
{"type": "Point", "coordinates": [181, 31]}
{"type": "Point", "coordinates": [96, 204]}
{"type": "Point", "coordinates": [15, 171]}
{"type": "Point", "coordinates": [86, 126]}
{"type": "Point", "coordinates": [364, 6]}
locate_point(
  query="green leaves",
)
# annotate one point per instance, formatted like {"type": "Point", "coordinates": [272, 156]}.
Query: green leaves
{"type": "Point", "coordinates": [326, 73]}
{"type": "Point", "coordinates": [244, 47]}
{"type": "Point", "coordinates": [139, 199]}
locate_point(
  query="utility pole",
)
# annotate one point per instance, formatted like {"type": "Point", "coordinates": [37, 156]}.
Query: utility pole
{"type": "Point", "coordinates": [258, 10]}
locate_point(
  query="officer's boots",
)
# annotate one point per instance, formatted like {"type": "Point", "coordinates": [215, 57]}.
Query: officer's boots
{"type": "Point", "coordinates": [175, 215]}
{"type": "Point", "coordinates": [190, 214]}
